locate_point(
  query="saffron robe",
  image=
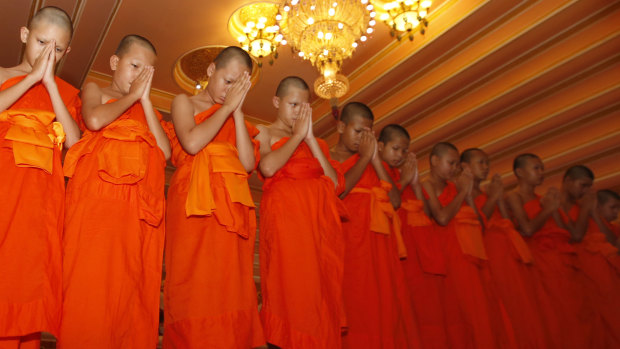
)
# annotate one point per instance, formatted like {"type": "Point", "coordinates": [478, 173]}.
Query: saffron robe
{"type": "Point", "coordinates": [558, 282]}
{"type": "Point", "coordinates": [379, 311]}
{"type": "Point", "coordinates": [600, 263]}
{"type": "Point", "coordinates": [511, 266]}
{"type": "Point", "coordinates": [114, 236]}
{"type": "Point", "coordinates": [474, 314]}
{"type": "Point", "coordinates": [210, 296]}
{"type": "Point", "coordinates": [301, 254]}
{"type": "Point", "coordinates": [33, 202]}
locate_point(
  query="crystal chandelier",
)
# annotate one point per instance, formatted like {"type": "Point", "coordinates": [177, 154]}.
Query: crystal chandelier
{"type": "Point", "coordinates": [326, 32]}
{"type": "Point", "coordinates": [255, 28]}
{"type": "Point", "coordinates": [404, 17]}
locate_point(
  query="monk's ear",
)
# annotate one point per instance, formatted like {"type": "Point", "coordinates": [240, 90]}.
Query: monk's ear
{"type": "Point", "coordinates": [276, 102]}
{"type": "Point", "coordinates": [340, 126]}
{"type": "Point", "coordinates": [67, 50]}
{"type": "Point", "coordinates": [519, 172]}
{"type": "Point", "coordinates": [23, 34]}
{"type": "Point", "coordinates": [434, 160]}
{"type": "Point", "coordinates": [211, 69]}
{"type": "Point", "coordinates": [380, 146]}
{"type": "Point", "coordinates": [114, 62]}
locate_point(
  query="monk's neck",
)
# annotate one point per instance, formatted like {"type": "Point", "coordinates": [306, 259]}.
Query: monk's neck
{"type": "Point", "coordinates": [476, 189]}
{"type": "Point", "coordinates": [566, 201]}
{"type": "Point", "coordinates": [341, 153]}
{"type": "Point", "coordinates": [438, 182]}
{"type": "Point", "coordinates": [527, 191]}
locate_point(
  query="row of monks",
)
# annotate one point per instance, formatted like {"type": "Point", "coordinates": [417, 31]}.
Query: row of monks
{"type": "Point", "coordinates": [355, 250]}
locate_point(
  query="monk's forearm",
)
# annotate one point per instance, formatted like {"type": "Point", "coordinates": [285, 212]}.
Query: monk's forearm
{"type": "Point", "coordinates": [445, 214]}
{"type": "Point", "coordinates": [245, 147]}
{"type": "Point", "coordinates": [70, 127]}
{"type": "Point", "coordinates": [273, 161]}
{"type": "Point", "coordinates": [13, 93]}
{"type": "Point", "coordinates": [580, 227]}
{"type": "Point", "coordinates": [328, 170]}
{"type": "Point", "coordinates": [156, 129]}
{"type": "Point", "coordinates": [353, 175]}
{"type": "Point", "coordinates": [419, 194]}
{"type": "Point", "coordinates": [489, 207]}
{"type": "Point", "coordinates": [200, 135]}
{"type": "Point", "coordinates": [101, 115]}
{"type": "Point", "coordinates": [503, 209]}
{"type": "Point", "coordinates": [394, 193]}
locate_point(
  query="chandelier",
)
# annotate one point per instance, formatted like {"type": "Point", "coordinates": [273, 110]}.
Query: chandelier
{"type": "Point", "coordinates": [255, 28]}
{"type": "Point", "coordinates": [404, 17]}
{"type": "Point", "coordinates": [326, 32]}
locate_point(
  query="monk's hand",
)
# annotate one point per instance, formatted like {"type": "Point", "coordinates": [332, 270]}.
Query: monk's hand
{"type": "Point", "coordinates": [139, 84]}
{"type": "Point", "coordinates": [40, 64]}
{"type": "Point", "coordinates": [48, 79]}
{"type": "Point", "coordinates": [551, 200]}
{"type": "Point", "coordinates": [245, 87]}
{"type": "Point", "coordinates": [367, 145]}
{"type": "Point", "coordinates": [465, 181]}
{"type": "Point", "coordinates": [235, 94]}
{"type": "Point", "coordinates": [589, 201]}
{"type": "Point", "coordinates": [146, 94]}
{"type": "Point", "coordinates": [306, 109]}
{"type": "Point", "coordinates": [300, 125]}
{"type": "Point", "coordinates": [409, 170]}
{"type": "Point", "coordinates": [496, 187]}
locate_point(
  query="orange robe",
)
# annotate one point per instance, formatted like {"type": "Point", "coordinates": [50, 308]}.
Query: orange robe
{"type": "Point", "coordinates": [424, 268]}
{"type": "Point", "coordinates": [379, 311]}
{"type": "Point", "coordinates": [301, 251]}
{"type": "Point", "coordinates": [557, 281]}
{"type": "Point", "coordinates": [600, 262]}
{"type": "Point", "coordinates": [474, 314]}
{"type": "Point", "coordinates": [33, 200]}
{"type": "Point", "coordinates": [113, 238]}
{"type": "Point", "coordinates": [511, 268]}
{"type": "Point", "coordinates": [209, 295]}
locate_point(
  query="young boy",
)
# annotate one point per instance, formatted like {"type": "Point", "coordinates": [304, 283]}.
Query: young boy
{"type": "Point", "coordinates": [538, 219]}
{"type": "Point", "coordinates": [596, 256]}
{"type": "Point", "coordinates": [210, 296]}
{"type": "Point", "coordinates": [424, 266]}
{"type": "Point", "coordinates": [379, 314]}
{"type": "Point", "coordinates": [510, 260]}
{"type": "Point", "coordinates": [607, 209]}
{"type": "Point", "coordinates": [301, 243]}
{"type": "Point", "coordinates": [114, 231]}
{"type": "Point", "coordinates": [37, 118]}
{"type": "Point", "coordinates": [472, 310]}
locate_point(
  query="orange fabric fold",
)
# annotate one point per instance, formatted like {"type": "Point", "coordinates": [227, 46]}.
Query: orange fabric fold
{"type": "Point", "coordinates": [516, 239]}
{"type": "Point", "coordinates": [33, 209]}
{"type": "Point", "coordinates": [415, 213]}
{"type": "Point", "coordinates": [34, 136]}
{"type": "Point", "coordinates": [210, 294]}
{"type": "Point", "coordinates": [383, 218]}
{"type": "Point", "coordinates": [469, 233]}
{"type": "Point", "coordinates": [220, 157]}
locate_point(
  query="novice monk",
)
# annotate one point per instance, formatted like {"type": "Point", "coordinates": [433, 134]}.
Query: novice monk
{"type": "Point", "coordinates": [598, 259]}
{"type": "Point", "coordinates": [424, 266]}
{"type": "Point", "coordinates": [210, 296]}
{"type": "Point", "coordinates": [37, 118]}
{"type": "Point", "coordinates": [510, 260]}
{"type": "Point", "coordinates": [607, 209]}
{"type": "Point", "coordinates": [301, 243]}
{"type": "Point", "coordinates": [379, 313]}
{"type": "Point", "coordinates": [114, 230]}
{"type": "Point", "coordinates": [472, 310]}
{"type": "Point", "coordinates": [537, 220]}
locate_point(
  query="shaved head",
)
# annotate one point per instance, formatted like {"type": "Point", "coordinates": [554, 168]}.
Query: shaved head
{"type": "Point", "coordinates": [288, 82]}
{"type": "Point", "coordinates": [605, 195]}
{"type": "Point", "coordinates": [468, 154]}
{"type": "Point", "coordinates": [442, 148]}
{"type": "Point", "coordinates": [578, 172]}
{"type": "Point", "coordinates": [352, 109]}
{"type": "Point", "coordinates": [391, 132]}
{"type": "Point", "coordinates": [54, 15]}
{"type": "Point", "coordinates": [521, 160]}
{"type": "Point", "coordinates": [131, 39]}
{"type": "Point", "coordinates": [230, 54]}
